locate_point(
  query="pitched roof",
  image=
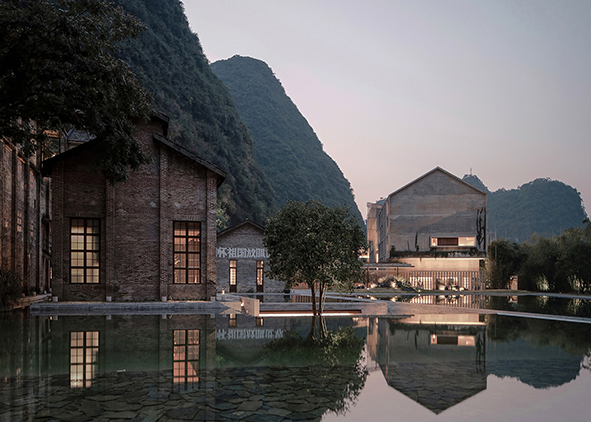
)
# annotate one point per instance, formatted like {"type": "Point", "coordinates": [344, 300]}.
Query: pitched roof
{"type": "Point", "coordinates": [48, 164]}
{"type": "Point", "coordinates": [241, 224]}
{"type": "Point", "coordinates": [182, 150]}
{"type": "Point", "coordinates": [447, 173]}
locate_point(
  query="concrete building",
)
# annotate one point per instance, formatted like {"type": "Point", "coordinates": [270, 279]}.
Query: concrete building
{"type": "Point", "coordinates": [149, 238]}
{"type": "Point", "coordinates": [436, 223]}
{"type": "Point", "coordinates": [241, 261]}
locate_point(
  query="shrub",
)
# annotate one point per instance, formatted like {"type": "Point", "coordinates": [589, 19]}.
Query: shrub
{"type": "Point", "coordinates": [11, 289]}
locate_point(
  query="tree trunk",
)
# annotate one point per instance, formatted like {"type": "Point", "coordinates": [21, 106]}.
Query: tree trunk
{"type": "Point", "coordinates": [321, 299]}
{"type": "Point", "coordinates": [314, 311]}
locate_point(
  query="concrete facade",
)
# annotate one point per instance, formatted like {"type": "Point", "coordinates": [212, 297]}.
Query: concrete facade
{"type": "Point", "coordinates": [25, 246]}
{"type": "Point", "coordinates": [243, 244]}
{"type": "Point", "coordinates": [134, 227]}
{"type": "Point", "coordinates": [436, 213]}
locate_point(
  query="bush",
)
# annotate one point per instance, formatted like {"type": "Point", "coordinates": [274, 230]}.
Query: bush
{"type": "Point", "coordinates": [11, 289]}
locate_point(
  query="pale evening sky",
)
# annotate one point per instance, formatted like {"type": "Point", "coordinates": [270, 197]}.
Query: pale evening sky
{"type": "Point", "coordinates": [395, 88]}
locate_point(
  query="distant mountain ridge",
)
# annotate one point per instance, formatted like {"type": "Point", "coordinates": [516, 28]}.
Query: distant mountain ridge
{"type": "Point", "coordinates": [544, 206]}
{"type": "Point", "coordinates": [287, 149]}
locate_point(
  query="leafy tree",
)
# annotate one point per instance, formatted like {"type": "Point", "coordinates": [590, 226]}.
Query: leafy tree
{"type": "Point", "coordinates": [504, 260]}
{"type": "Point", "coordinates": [316, 245]}
{"type": "Point", "coordinates": [57, 71]}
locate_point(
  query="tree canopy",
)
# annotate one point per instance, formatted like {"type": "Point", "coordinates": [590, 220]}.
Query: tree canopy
{"type": "Point", "coordinates": [557, 264]}
{"type": "Point", "coordinates": [58, 71]}
{"type": "Point", "coordinates": [316, 245]}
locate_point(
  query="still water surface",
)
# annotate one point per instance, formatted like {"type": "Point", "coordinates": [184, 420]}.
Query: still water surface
{"type": "Point", "coordinates": [236, 367]}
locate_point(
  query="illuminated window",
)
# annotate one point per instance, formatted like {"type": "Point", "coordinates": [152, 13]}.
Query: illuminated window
{"type": "Point", "coordinates": [233, 269]}
{"type": "Point", "coordinates": [84, 250]}
{"type": "Point", "coordinates": [260, 273]}
{"type": "Point", "coordinates": [186, 358]}
{"type": "Point", "coordinates": [453, 241]}
{"type": "Point", "coordinates": [232, 320]}
{"type": "Point", "coordinates": [187, 252]}
{"type": "Point", "coordinates": [84, 346]}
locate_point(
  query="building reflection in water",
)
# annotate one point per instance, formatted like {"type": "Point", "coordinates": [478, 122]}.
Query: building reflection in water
{"type": "Point", "coordinates": [436, 360]}
{"type": "Point", "coordinates": [223, 366]}
{"type": "Point", "coordinates": [185, 372]}
{"type": "Point", "coordinates": [84, 349]}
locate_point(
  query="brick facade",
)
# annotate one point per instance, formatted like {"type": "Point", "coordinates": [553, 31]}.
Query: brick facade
{"type": "Point", "coordinates": [25, 214]}
{"type": "Point", "coordinates": [243, 243]}
{"type": "Point", "coordinates": [135, 257]}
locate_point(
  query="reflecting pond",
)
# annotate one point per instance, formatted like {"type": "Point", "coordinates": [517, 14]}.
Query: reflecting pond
{"type": "Point", "coordinates": [236, 367]}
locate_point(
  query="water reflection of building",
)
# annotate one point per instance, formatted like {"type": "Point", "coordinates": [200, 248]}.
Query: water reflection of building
{"type": "Point", "coordinates": [436, 360]}
{"type": "Point", "coordinates": [454, 301]}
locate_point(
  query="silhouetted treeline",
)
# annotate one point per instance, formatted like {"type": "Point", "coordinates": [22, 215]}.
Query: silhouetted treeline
{"type": "Point", "coordinates": [556, 264]}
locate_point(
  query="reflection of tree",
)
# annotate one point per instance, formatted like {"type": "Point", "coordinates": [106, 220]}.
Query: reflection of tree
{"type": "Point", "coordinates": [570, 337]}
{"type": "Point", "coordinates": [540, 360]}
{"type": "Point", "coordinates": [334, 358]}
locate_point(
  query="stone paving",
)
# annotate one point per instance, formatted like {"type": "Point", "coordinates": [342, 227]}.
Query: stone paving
{"type": "Point", "coordinates": [272, 394]}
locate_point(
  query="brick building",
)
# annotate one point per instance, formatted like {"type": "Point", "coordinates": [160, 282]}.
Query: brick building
{"type": "Point", "coordinates": [25, 211]}
{"type": "Point", "coordinates": [149, 238]}
{"type": "Point", "coordinates": [241, 261]}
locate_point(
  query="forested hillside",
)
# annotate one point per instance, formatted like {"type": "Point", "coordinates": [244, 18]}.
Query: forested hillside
{"type": "Point", "coordinates": [170, 63]}
{"type": "Point", "coordinates": [543, 206]}
{"type": "Point", "coordinates": [287, 149]}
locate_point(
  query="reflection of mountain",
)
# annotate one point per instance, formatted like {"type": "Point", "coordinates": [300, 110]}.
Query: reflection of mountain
{"type": "Point", "coordinates": [540, 367]}
{"type": "Point", "coordinates": [437, 364]}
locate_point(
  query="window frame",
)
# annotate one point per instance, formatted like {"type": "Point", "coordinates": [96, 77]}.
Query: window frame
{"type": "Point", "coordinates": [184, 258]}
{"type": "Point", "coordinates": [84, 358]}
{"type": "Point", "coordinates": [260, 276]}
{"type": "Point", "coordinates": [233, 275]}
{"type": "Point", "coordinates": [186, 358]}
{"type": "Point", "coordinates": [90, 251]}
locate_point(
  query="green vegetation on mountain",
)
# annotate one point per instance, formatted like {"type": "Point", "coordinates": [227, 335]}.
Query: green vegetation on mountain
{"type": "Point", "coordinates": [287, 149]}
{"type": "Point", "coordinates": [169, 61]}
{"type": "Point", "coordinates": [544, 207]}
